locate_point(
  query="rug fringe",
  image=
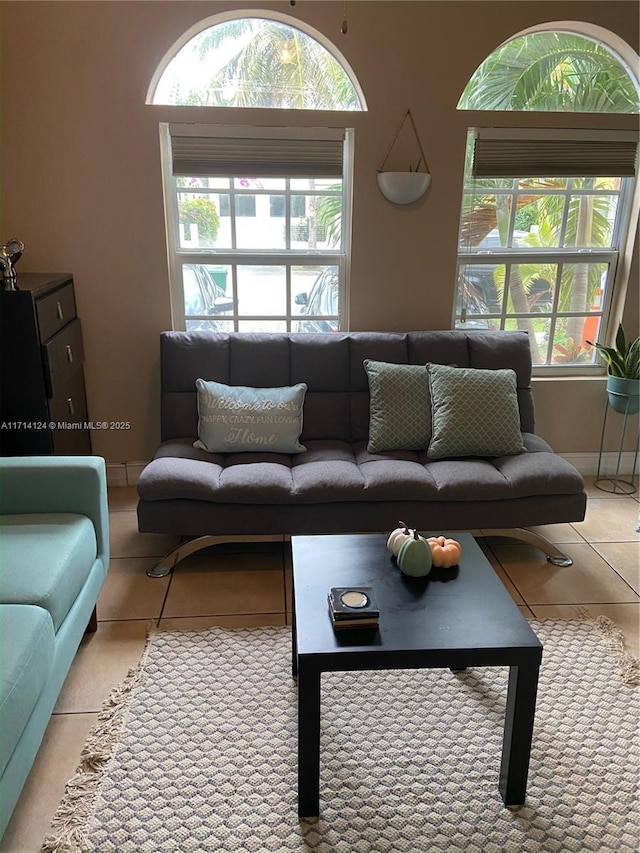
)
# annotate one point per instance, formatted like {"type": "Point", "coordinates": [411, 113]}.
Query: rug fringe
{"type": "Point", "coordinates": [68, 831]}
{"type": "Point", "coordinates": [628, 664]}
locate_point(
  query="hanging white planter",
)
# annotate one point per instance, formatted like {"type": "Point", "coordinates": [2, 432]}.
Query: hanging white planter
{"type": "Point", "coordinates": [404, 187]}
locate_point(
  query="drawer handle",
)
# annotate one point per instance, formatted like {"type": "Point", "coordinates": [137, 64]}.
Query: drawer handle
{"type": "Point", "coordinates": [70, 406]}
{"type": "Point", "coordinates": [59, 311]}
{"type": "Point", "coordinates": [69, 354]}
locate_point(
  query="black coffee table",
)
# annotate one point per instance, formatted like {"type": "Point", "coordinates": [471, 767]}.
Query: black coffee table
{"type": "Point", "coordinates": [456, 618]}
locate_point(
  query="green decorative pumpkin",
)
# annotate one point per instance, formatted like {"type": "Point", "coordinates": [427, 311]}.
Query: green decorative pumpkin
{"type": "Point", "coordinates": [414, 556]}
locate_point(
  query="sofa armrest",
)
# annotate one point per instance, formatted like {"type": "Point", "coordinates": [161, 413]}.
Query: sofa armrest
{"type": "Point", "coordinates": [75, 484]}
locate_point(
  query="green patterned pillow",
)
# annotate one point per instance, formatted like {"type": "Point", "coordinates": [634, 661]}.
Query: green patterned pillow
{"type": "Point", "coordinates": [399, 408]}
{"type": "Point", "coordinates": [474, 412]}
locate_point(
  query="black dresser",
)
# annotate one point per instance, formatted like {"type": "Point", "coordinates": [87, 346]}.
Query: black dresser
{"type": "Point", "coordinates": [43, 407]}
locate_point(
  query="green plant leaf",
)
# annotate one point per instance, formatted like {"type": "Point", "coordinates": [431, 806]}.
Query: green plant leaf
{"type": "Point", "coordinates": [611, 356]}
{"type": "Point", "coordinates": [632, 360]}
{"type": "Point", "coordinates": [621, 342]}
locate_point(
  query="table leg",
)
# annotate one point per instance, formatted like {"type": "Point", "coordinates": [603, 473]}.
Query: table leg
{"type": "Point", "coordinates": [308, 740]}
{"type": "Point", "coordinates": [294, 641]}
{"type": "Point", "coordinates": [518, 732]}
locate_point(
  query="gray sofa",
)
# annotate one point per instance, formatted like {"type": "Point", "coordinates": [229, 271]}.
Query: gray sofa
{"type": "Point", "coordinates": [336, 485]}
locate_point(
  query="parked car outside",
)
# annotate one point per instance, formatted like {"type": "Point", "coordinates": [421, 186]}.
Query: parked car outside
{"type": "Point", "coordinates": [203, 296]}
{"type": "Point", "coordinates": [321, 304]}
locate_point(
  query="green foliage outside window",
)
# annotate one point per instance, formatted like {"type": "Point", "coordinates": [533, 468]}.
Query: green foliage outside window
{"type": "Point", "coordinates": [557, 71]}
{"type": "Point", "coordinates": [266, 63]}
{"type": "Point", "coordinates": [329, 216]}
{"type": "Point", "coordinates": [552, 71]}
{"type": "Point", "coordinates": [203, 213]}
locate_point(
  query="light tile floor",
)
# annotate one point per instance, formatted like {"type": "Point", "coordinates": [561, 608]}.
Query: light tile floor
{"type": "Point", "coordinates": [250, 585]}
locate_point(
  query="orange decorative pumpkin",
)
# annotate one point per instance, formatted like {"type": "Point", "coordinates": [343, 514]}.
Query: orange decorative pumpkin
{"type": "Point", "coordinates": [444, 552]}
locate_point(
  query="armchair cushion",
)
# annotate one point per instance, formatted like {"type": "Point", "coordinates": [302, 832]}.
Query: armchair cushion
{"type": "Point", "coordinates": [45, 559]}
{"type": "Point", "coordinates": [68, 484]}
{"type": "Point", "coordinates": [27, 643]}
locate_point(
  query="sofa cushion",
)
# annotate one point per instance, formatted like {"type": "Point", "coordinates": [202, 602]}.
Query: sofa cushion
{"type": "Point", "coordinates": [240, 419]}
{"type": "Point", "coordinates": [26, 657]}
{"type": "Point", "coordinates": [474, 412]}
{"type": "Point", "coordinates": [399, 408]}
{"type": "Point", "coordinates": [330, 471]}
{"type": "Point", "coordinates": [45, 559]}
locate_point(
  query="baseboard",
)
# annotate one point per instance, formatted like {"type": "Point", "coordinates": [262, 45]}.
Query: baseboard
{"type": "Point", "coordinates": [587, 463]}
{"type": "Point", "coordinates": [116, 474]}
{"type": "Point", "coordinates": [124, 473]}
{"type": "Point", "coordinates": [127, 473]}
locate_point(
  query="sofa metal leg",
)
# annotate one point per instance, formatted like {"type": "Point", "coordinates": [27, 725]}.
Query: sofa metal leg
{"type": "Point", "coordinates": [523, 534]}
{"type": "Point", "coordinates": [168, 563]}
{"type": "Point", "coordinates": [92, 624]}
{"type": "Point", "coordinates": [554, 554]}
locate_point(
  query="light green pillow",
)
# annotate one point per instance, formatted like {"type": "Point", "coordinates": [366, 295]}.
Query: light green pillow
{"type": "Point", "coordinates": [474, 412]}
{"type": "Point", "coordinates": [399, 408]}
{"type": "Point", "coordinates": [237, 418]}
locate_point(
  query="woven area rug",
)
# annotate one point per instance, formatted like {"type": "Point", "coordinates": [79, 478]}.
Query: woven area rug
{"type": "Point", "coordinates": [197, 752]}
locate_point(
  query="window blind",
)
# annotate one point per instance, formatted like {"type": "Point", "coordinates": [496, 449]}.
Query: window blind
{"type": "Point", "coordinates": [549, 154]}
{"type": "Point", "coordinates": [256, 156]}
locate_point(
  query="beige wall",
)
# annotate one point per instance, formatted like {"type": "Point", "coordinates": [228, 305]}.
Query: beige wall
{"type": "Point", "coordinates": [82, 186]}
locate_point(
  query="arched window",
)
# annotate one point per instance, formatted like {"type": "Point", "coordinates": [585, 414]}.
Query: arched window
{"type": "Point", "coordinates": [255, 61]}
{"type": "Point", "coordinates": [258, 218]}
{"type": "Point", "coordinates": [555, 71]}
{"type": "Point", "coordinates": [546, 212]}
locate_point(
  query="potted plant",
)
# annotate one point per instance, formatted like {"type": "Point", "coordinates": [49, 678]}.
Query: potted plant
{"type": "Point", "coordinates": [623, 364]}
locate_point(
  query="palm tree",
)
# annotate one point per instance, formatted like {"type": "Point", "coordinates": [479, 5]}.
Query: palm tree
{"type": "Point", "coordinates": [329, 214]}
{"type": "Point", "coordinates": [269, 64]}
{"type": "Point", "coordinates": [586, 225]}
{"type": "Point", "coordinates": [554, 71]}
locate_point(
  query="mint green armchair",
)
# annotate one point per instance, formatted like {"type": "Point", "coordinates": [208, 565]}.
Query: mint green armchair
{"type": "Point", "coordinates": [54, 557]}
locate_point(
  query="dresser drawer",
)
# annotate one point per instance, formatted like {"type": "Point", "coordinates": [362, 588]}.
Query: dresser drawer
{"type": "Point", "coordinates": [63, 355]}
{"type": "Point", "coordinates": [68, 412]}
{"type": "Point", "coordinates": [71, 442]}
{"type": "Point", "coordinates": [55, 310]}
{"type": "Point", "coordinates": [68, 405]}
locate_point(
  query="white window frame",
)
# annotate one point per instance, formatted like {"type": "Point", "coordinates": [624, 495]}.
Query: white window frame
{"type": "Point", "coordinates": [178, 257]}
{"type": "Point", "coordinates": [611, 256]}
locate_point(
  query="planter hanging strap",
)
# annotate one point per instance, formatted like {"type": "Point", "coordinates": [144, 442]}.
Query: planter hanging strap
{"type": "Point", "coordinates": [423, 158]}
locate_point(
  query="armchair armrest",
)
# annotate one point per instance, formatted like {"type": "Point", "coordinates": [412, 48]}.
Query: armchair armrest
{"type": "Point", "coordinates": [75, 484]}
